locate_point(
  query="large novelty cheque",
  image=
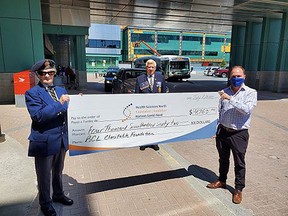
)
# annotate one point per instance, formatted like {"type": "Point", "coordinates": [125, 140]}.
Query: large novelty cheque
{"type": "Point", "coordinates": [105, 122]}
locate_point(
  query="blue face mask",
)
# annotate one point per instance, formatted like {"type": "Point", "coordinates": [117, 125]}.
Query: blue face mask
{"type": "Point", "coordinates": [237, 81]}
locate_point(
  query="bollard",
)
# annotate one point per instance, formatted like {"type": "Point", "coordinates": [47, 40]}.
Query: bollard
{"type": "Point", "coordinates": [2, 136]}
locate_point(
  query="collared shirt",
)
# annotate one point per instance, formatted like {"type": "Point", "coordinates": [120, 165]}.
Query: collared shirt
{"type": "Point", "coordinates": [49, 91]}
{"type": "Point", "coordinates": [150, 79]}
{"type": "Point", "coordinates": [236, 112]}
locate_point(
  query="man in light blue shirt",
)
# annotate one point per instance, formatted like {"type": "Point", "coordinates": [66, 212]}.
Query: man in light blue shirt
{"type": "Point", "coordinates": [235, 107]}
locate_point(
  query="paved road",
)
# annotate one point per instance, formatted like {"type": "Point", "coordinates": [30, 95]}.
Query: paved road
{"type": "Point", "coordinates": [197, 83]}
{"type": "Point", "coordinates": [170, 182]}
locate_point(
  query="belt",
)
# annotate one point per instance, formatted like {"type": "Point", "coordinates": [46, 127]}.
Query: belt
{"type": "Point", "coordinates": [228, 129]}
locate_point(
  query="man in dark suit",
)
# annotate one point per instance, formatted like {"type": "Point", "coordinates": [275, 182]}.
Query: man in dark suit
{"type": "Point", "coordinates": [48, 140]}
{"type": "Point", "coordinates": [150, 82]}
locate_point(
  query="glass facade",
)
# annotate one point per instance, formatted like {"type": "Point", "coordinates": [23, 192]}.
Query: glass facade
{"type": "Point", "coordinates": [199, 47]}
{"type": "Point", "coordinates": [99, 63]}
{"type": "Point", "coordinates": [147, 37]}
{"type": "Point", "coordinates": [103, 48]}
{"type": "Point", "coordinates": [93, 43]}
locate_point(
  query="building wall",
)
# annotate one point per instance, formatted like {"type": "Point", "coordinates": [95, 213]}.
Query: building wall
{"type": "Point", "coordinates": [199, 47]}
{"type": "Point", "coordinates": [192, 45]}
{"type": "Point", "coordinates": [22, 25]}
{"type": "Point", "coordinates": [261, 48]}
{"type": "Point", "coordinates": [21, 41]}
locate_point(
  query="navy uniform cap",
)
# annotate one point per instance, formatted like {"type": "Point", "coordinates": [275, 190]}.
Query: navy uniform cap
{"type": "Point", "coordinates": [45, 65]}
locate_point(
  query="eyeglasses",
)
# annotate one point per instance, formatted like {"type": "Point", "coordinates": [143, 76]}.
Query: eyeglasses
{"type": "Point", "coordinates": [41, 73]}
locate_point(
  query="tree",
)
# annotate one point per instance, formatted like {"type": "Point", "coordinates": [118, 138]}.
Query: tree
{"type": "Point", "coordinates": [223, 64]}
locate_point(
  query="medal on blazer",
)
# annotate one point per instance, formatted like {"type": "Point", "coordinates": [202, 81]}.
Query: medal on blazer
{"type": "Point", "coordinates": [144, 85]}
{"type": "Point", "coordinates": [158, 85]}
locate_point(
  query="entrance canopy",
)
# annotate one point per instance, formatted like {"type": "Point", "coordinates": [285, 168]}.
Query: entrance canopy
{"type": "Point", "coordinates": [203, 15]}
{"type": "Point", "coordinates": [211, 16]}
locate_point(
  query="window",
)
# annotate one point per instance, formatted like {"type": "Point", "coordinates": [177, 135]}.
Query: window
{"type": "Point", "coordinates": [169, 52]}
{"type": "Point", "coordinates": [209, 40]}
{"type": "Point", "coordinates": [144, 37]}
{"type": "Point", "coordinates": [192, 38]}
{"type": "Point", "coordinates": [167, 38]}
{"type": "Point", "coordinates": [143, 52]}
{"type": "Point", "coordinates": [211, 53]}
{"type": "Point", "coordinates": [179, 65]}
{"type": "Point", "coordinates": [93, 43]}
{"type": "Point", "coordinates": [195, 53]}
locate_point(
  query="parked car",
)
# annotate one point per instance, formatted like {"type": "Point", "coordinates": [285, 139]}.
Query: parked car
{"type": "Point", "coordinates": [206, 70]}
{"type": "Point", "coordinates": [112, 68]}
{"type": "Point", "coordinates": [108, 79]}
{"type": "Point", "coordinates": [125, 80]}
{"type": "Point", "coordinates": [209, 71]}
{"type": "Point", "coordinates": [221, 72]}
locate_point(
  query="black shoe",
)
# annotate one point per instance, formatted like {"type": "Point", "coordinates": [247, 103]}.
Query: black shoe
{"type": "Point", "coordinates": [48, 211]}
{"type": "Point", "coordinates": [155, 147]}
{"type": "Point", "coordinates": [63, 200]}
{"type": "Point", "coordinates": [142, 148]}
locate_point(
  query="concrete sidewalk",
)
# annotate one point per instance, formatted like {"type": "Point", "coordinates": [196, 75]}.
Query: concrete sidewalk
{"type": "Point", "coordinates": [172, 181]}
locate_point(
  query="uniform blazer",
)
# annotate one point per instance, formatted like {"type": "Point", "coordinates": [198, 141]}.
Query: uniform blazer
{"type": "Point", "coordinates": [142, 84]}
{"type": "Point", "coordinates": [49, 121]}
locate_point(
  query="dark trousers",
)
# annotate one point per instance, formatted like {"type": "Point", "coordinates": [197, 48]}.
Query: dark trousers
{"type": "Point", "coordinates": [45, 166]}
{"type": "Point", "coordinates": [237, 143]}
